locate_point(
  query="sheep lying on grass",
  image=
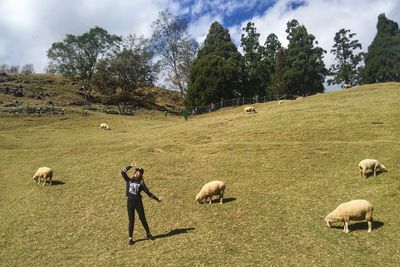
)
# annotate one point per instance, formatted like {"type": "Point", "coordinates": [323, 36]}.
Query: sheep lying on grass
{"type": "Point", "coordinates": [356, 210]}
{"type": "Point", "coordinates": [249, 110]}
{"type": "Point", "coordinates": [211, 189]}
{"type": "Point", "coordinates": [43, 173]}
{"type": "Point", "coordinates": [105, 126]}
{"type": "Point", "coordinates": [280, 102]}
{"type": "Point", "coordinates": [370, 164]}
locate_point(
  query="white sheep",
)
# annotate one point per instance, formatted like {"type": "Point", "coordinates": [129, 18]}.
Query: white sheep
{"type": "Point", "coordinates": [280, 102]}
{"type": "Point", "coordinates": [45, 173]}
{"type": "Point", "coordinates": [370, 164]}
{"type": "Point", "coordinates": [346, 86]}
{"type": "Point", "coordinates": [211, 189]}
{"type": "Point", "coordinates": [355, 210]}
{"type": "Point", "coordinates": [249, 110]}
{"type": "Point", "coordinates": [105, 126]}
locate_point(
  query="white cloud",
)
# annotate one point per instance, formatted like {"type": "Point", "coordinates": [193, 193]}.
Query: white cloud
{"type": "Point", "coordinates": [29, 27]}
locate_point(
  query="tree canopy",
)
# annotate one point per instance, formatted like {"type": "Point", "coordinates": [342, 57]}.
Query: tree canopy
{"type": "Point", "coordinates": [76, 56]}
{"type": "Point", "coordinates": [347, 67]}
{"type": "Point", "coordinates": [382, 61]}
{"type": "Point", "coordinates": [215, 71]}
{"type": "Point", "coordinates": [305, 69]}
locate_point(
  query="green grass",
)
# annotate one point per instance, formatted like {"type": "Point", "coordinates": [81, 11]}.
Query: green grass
{"type": "Point", "coordinates": [285, 167]}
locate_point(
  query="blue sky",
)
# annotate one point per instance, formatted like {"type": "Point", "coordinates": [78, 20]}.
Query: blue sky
{"type": "Point", "coordinates": [29, 27]}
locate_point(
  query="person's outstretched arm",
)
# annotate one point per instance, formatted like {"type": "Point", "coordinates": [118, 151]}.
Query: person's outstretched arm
{"type": "Point", "coordinates": [147, 191]}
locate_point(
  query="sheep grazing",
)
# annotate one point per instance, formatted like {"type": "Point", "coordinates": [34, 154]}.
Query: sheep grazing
{"type": "Point", "coordinates": [370, 164]}
{"type": "Point", "coordinates": [346, 86]}
{"type": "Point", "coordinates": [249, 110]}
{"type": "Point", "coordinates": [43, 173]}
{"type": "Point", "coordinates": [105, 126]}
{"type": "Point", "coordinates": [211, 189]}
{"type": "Point", "coordinates": [355, 210]}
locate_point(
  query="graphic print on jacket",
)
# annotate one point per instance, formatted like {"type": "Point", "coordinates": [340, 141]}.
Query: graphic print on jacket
{"type": "Point", "coordinates": [134, 188]}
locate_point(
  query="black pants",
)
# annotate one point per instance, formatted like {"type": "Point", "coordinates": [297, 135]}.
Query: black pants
{"type": "Point", "coordinates": [136, 204]}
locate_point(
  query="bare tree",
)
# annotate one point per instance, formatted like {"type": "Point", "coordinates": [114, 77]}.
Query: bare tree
{"type": "Point", "coordinates": [27, 68]}
{"type": "Point", "coordinates": [14, 69]}
{"type": "Point", "coordinates": [4, 68]}
{"type": "Point", "coordinates": [176, 47]}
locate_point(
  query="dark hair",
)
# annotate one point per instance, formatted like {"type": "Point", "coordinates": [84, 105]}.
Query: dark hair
{"type": "Point", "coordinates": [141, 170]}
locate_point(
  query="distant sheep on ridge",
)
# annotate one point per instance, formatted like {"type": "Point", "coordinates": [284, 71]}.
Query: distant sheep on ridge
{"type": "Point", "coordinates": [105, 126]}
{"type": "Point", "coordinates": [249, 110]}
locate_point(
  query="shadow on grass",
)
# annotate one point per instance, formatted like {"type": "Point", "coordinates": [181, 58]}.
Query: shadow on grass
{"type": "Point", "coordinates": [360, 226]}
{"type": "Point", "coordinates": [369, 174]}
{"type": "Point", "coordinates": [226, 200]}
{"type": "Point", "coordinates": [176, 231]}
{"type": "Point", "coordinates": [55, 182]}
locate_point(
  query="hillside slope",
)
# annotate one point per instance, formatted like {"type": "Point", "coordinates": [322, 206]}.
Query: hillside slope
{"type": "Point", "coordinates": [285, 167]}
{"type": "Point", "coordinates": [39, 90]}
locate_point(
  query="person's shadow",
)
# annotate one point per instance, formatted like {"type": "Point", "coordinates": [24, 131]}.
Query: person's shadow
{"type": "Point", "coordinates": [173, 232]}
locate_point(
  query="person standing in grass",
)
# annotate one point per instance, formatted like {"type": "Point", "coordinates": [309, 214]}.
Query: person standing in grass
{"type": "Point", "coordinates": [134, 185]}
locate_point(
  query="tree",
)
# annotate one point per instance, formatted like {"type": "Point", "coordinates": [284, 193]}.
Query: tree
{"type": "Point", "coordinates": [27, 68]}
{"type": "Point", "coordinates": [4, 68]}
{"type": "Point", "coordinates": [348, 62]}
{"type": "Point", "coordinates": [177, 49]}
{"type": "Point", "coordinates": [14, 69]}
{"type": "Point", "coordinates": [215, 71]}
{"type": "Point", "coordinates": [382, 61]}
{"type": "Point", "coordinates": [127, 69]}
{"type": "Point", "coordinates": [278, 84]}
{"type": "Point", "coordinates": [305, 70]}
{"type": "Point", "coordinates": [76, 56]}
{"type": "Point", "coordinates": [251, 62]}
{"type": "Point", "coordinates": [272, 52]}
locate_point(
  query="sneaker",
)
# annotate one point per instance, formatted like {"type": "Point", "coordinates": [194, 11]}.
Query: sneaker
{"type": "Point", "coordinates": [131, 242]}
{"type": "Point", "coordinates": [150, 237]}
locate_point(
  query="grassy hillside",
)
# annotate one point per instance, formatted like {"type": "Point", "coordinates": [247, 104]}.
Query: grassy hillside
{"type": "Point", "coordinates": [38, 90]}
{"type": "Point", "coordinates": [285, 167]}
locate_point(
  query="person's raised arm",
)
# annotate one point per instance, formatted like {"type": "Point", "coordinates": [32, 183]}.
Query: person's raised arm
{"type": "Point", "coordinates": [126, 169]}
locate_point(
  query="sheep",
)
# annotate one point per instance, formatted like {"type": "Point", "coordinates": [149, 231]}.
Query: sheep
{"type": "Point", "coordinates": [105, 126]}
{"type": "Point", "coordinates": [211, 189]}
{"type": "Point", "coordinates": [45, 173]}
{"type": "Point", "coordinates": [370, 164]}
{"type": "Point", "coordinates": [299, 98]}
{"type": "Point", "coordinates": [280, 102]}
{"type": "Point", "coordinates": [249, 110]}
{"type": "Point", "coordinates": [355, 210]}
{"type": "Point", "coordinates": [346, 86]}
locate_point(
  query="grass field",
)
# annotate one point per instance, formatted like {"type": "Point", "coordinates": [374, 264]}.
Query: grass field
{"type": "Point", "coordinates": [285, 167]}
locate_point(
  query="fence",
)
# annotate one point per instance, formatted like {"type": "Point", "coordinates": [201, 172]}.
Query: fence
{"type": "Point", "coordinates": [195, 110]}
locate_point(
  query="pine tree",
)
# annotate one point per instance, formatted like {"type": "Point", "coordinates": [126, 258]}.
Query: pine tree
{"type": "Point", "coordinates": [215, 71]}
{"type": "Point", "coordinates": [348, 62]}
{"type": "Point", "coordinates": [382, 62]}
{"type": "Point", "coordinates": [251, 62]}
{"type": "Point", "coordinates": [305, 70]}
{"type": "Point", "coordinates": [270, 53]}
{"type": "Point", "coordinates": [278, 84]}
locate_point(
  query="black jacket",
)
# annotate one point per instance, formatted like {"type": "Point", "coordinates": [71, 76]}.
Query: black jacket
{"type": "Point", "coordinates": [134, 187]}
